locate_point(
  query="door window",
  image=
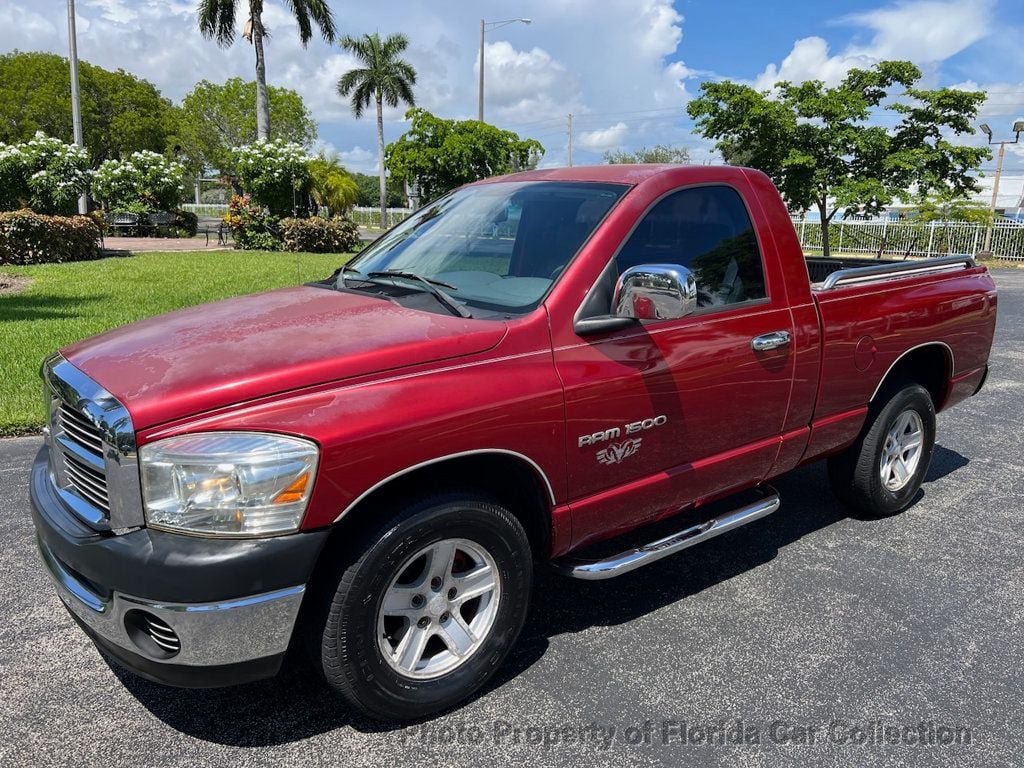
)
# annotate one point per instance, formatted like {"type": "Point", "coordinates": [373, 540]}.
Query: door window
{"type": "Point", "coordinates": [708, 231]}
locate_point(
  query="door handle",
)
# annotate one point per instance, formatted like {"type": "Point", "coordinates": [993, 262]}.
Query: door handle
{"type": "Point", "coordinates": [769, 341]}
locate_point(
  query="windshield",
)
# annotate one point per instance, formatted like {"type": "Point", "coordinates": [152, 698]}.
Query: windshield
{"type": "Point", "coordinates": [497, 246]}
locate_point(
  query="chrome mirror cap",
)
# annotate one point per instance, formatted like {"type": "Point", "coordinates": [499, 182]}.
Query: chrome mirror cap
{"type": "Point", "coordinates": [655, 292]}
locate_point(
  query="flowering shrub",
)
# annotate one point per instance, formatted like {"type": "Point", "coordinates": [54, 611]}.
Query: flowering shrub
{"type": "Point", "coordinates": [146, 181]}
{"type": "Point", "coordinates": [252, 228]}
{"type": "Point", "coordinates": [317, 235]}
{"type": "Point", "coordinates": [44, 174]}
{"type": "Point", "coordinates": [31, 238]}
{"type": "Point", "coordinates": [272, 172]}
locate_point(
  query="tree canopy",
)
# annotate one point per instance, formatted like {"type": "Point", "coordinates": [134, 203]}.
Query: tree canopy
{"type": "Point", "coordinates": [121, 113]}
{"type": "Point", "coordinates": [819, 146]}
{"type": "Point", "coordinates": [369, 191]}
{"type": "Point", "coordinates": [440, 155]}
{"type": "Point", "coordinates": [659, 153]}
{"type": "Point", "coordinates": [215, 118]}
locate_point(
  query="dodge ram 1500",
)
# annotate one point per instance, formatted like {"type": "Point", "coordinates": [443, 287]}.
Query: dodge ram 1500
{"type": "Point", "coordinates": [525, 370]}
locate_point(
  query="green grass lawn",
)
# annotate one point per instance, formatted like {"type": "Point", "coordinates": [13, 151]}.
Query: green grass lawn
{"type": "Point", "coordinates": [68, 302]}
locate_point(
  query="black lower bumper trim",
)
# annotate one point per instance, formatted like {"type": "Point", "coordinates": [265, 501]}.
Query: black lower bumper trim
{"type": "Point", "coordinates": [182, 676]}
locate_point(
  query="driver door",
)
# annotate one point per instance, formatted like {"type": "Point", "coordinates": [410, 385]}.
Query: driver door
{"type": "Point", "coordinates": [669, 412]}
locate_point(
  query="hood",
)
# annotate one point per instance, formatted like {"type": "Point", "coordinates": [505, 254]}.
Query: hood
{"type": "Point", "coordinates": [231, 351]}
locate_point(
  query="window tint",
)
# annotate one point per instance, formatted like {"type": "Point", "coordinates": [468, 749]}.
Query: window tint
{"type": "Point", "coordinates": [707, 230]}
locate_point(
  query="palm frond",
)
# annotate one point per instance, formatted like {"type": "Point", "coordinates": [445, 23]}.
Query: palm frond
{"type": "Point", "coordinates": [383, 72]}
{"type": "Point", "coordinates": [217, 20]}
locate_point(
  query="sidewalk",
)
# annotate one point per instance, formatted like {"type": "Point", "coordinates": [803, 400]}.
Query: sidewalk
{"type": "Point", "coordinates": [141, 244]}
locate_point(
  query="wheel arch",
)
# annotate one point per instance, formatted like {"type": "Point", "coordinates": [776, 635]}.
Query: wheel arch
{"type": "Point", "coordinates": [511, 477]}
{"type": "Point", "coordinates": [930, 364]}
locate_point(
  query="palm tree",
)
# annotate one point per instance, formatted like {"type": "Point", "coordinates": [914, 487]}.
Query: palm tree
{"type": "Point", "coordinates": [331, 187]}
{"type": "Point", "coordinates": [383, 78]}
{"type": "Point", "coordinates": [217, 20]}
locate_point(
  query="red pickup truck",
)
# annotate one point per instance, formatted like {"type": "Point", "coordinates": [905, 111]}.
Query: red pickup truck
{"type": "Point", "coordinates": [527, 369]}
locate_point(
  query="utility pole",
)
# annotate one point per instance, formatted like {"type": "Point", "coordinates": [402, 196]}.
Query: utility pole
{"type": "Point", "coordinates": [570, 139]}
{"type": "Point", "coordinates": [1018, 128]}
{"type": "Point", "coordinates": [995, 194]}
{"type": "Point", "coordinates": [76, 106]}
{"type": "Point", "coordinates": [480, 102]}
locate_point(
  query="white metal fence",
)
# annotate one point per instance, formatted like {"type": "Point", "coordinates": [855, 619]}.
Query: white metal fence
{"type": "Point", "coordinates": [206, 209]}
{"type": "Point", "coordinates": [900, 238]}
{"type": "Point", "coordinates": [370, 217]}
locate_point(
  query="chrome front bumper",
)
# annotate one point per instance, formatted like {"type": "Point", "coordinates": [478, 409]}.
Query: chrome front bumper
{"type": "Point", "coordinates": [210, 634]}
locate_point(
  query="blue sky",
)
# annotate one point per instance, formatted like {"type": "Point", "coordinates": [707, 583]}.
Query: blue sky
{"type": "Point", "coordinates": [624, 68]}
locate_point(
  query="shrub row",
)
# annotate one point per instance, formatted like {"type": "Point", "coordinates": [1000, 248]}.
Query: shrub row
{"type": "Point", "coordinates": [318, 235]}
{"type": "Point", "coordinates": [32, 238]}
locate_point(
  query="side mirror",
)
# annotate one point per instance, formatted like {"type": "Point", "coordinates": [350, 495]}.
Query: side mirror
{"type": "Point", "coordinates": [655, 292]}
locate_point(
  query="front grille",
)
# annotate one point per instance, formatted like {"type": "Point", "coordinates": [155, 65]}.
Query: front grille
{"type": "Point", "coordinates": [81, 431]}
{"type": "Point", "coordinates": [90, 483]}
{"type": "Point", "coordinates": [93, 461]}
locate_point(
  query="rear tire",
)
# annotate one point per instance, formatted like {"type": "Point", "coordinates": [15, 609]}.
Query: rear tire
{"type": "Point", "coordinates": [425, 608]}
{"type": "Point", "coordinates": [881, 473]}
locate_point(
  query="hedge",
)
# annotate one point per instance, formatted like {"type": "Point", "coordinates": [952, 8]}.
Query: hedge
{"type": "Point", "coordinates": [319, 235]}
{"type": "Point", "coordinates": [32, 238]}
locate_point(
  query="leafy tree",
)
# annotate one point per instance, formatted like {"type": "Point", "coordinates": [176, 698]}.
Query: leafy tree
{"type": "Point", "coordinates": [216, 118]}
{"type": "Point", "coordinates": [121, 113]}
{"type": "Point", "coordinates": [948, 206]}
{"type": "Point", "coordinates": [383, 78]}
{"type": "Point", "coordinates": [330, 185]}
{"type": "Point", "coordinates": [273, 173]}
{"type": "Point", "coordinates": [43, 174]}
{"type": "Point", "coordinates": [217, 20]}
{"type": "Point", "coordinates": [141, 183]}
{"type": "Point", "coordinates": [369, 191]}
{"type": "Point", "coordinates": [439, 154]}
{"type": "Point", "coordinates": [659, 153]}
{"type": "Point", "coordinates": [819, 147]}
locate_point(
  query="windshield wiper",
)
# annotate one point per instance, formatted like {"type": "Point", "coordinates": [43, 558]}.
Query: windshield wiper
{"type": "Point", "coordinates": [432, 287]}
{"type": "Point", "coordinates": [340, 272]}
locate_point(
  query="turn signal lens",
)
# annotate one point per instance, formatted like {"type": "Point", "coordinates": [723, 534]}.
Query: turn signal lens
{"type": "Point", "coordinates": [294, 492]}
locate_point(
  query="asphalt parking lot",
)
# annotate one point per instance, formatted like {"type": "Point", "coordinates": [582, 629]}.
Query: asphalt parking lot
{"type": "Point", "coordinates": [805, 634]}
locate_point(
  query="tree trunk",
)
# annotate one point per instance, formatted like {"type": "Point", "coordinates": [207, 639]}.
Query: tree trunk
{"type": "Point", "coordinates": [380, 154]}
{"type": "Point", "coordinates": [262, 102]}
{"type": "Point", "coordinates": [826, 250]}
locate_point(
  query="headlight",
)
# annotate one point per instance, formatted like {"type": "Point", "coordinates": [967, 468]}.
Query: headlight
{"type": "Point", "coordinates": [228, 483]}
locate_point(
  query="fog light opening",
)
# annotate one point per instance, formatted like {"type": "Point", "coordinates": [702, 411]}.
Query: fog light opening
{"type": "Point", "coordinates": [151, 634]}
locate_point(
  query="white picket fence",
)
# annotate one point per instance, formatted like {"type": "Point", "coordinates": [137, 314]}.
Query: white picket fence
{"type": "Point", "coordinates": [900, 238]}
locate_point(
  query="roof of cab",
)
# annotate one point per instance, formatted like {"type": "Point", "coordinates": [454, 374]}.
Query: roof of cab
{"type": "Point", "coordinates": [623, 173]}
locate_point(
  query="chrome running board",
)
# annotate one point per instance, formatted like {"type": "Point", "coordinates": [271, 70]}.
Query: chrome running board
{"type": "Point", "coordinates": [630, 560]}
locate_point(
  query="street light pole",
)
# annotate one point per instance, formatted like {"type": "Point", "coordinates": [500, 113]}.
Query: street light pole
{"type": "Point", "coordinates": [484, 26]}
{"type": "Point", "coordinates": [76, 106]}
{"type": "Point", "coordinates": [1018, 128]}
{"type": "Point", "coordinates": [480, 101]}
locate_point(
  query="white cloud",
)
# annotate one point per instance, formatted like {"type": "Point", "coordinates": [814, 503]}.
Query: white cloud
{"type": "Point", "coordinates": [526, 86]}
{"type": "Point", "coordinates": [605, 138]}
{"type": "Point", "coordinates": [923, 31]}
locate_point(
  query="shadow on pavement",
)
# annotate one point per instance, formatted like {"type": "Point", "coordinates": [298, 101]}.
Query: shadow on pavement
{"type": "Point", "coordinates": [298, 703]}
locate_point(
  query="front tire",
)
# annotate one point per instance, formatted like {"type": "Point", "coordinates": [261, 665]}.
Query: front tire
{"type": "Point", "coordinates": [426, 608]}
{"type": "Point", "coordinates": [881, 473]}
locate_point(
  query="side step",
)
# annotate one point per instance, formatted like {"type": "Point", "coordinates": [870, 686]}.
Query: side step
{"type": "Point", "coordinates": [630, 560]}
